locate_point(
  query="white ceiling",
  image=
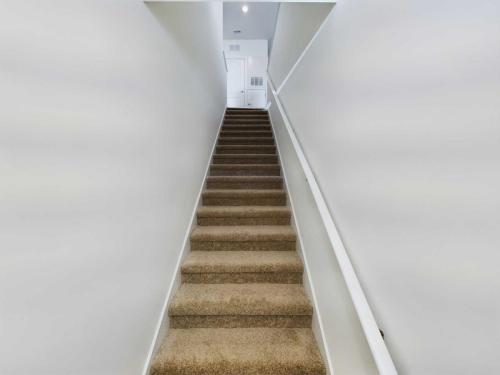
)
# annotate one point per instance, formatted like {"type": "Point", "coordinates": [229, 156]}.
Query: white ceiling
{"type": "Point", "coordinates": [258, 23]}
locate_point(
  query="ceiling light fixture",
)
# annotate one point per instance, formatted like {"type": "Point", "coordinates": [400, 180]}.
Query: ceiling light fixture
{"type": "Point", "coordinates": [244, 8]}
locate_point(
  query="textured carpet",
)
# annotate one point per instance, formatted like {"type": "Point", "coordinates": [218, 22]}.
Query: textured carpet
{"type": "Point", "coordinates": [241, 308]}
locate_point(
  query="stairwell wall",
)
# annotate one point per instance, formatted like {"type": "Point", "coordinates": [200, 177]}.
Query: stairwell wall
{"type": "Point", "coordinates": [396, 107]}
{"type": "Point", "coordinates": [109, 112]}
{"type": "Point", "coordinates": [335, 322]}
{"type": "Point", "coordinates": [297, 22]}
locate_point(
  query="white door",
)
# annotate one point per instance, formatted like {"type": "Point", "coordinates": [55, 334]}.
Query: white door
{"type": "Point", "coordinates": [235, 82]}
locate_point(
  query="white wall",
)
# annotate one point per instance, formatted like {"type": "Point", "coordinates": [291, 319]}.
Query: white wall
{"type": "Point", "coordinates": [397, 107]}
{"type": "Point", "coordinates": [335, 323]}
{"type": "Point", "coordinates": [106, 126]}
{"type": "Point", "coordinates": [296, 22]}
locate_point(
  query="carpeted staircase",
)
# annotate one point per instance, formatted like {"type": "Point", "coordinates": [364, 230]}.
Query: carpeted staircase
{"type": "Point", "coordinates": [242, 308]}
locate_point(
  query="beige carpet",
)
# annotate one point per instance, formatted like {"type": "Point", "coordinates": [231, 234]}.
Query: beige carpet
{"type": "Point", "coordinates": [242, 308]}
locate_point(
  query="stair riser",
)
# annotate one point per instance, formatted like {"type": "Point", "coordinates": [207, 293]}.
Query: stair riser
{"type": "Point", "coordinates": [245, 201]}
{"type": "Point", "coordinates": [246, 150]}
{"type": "Point", "coordinates": [251, 115]}
{"type": "Point", "coordinates": [246, 127]}
{"type": "Point", "coordinates": [249, 133]}
{"type": "Point", "coordinates": [244, 184]}
{"type": "Point", "coordinates": [247, 122]}
{"type": "Point", "coordinates": [246, 141]}
{"type": "Point", "coordinates": [219, 170]}
{"type": "Point", "coordinates": [240, 321]}
{"type": "Point", "coordinates": [243, 278]}
{"type": "Point", "coordinates": [243, 220]}
{"type": "Point", "coordinates": [245, 111]}
{"type": "Point", "coordinates": [242, 246]}
{"type": "Point", "coordinates": [239, 369]}
{"type": "Point", "coordinates": [245, 159]}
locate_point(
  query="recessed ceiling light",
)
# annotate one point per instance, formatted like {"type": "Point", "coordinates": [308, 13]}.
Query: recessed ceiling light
{"type": "Point", "coordinates": [244, 8]}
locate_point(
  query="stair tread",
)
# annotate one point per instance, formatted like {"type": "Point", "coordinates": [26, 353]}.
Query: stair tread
{"type": "Point", "coordinates": [240, 299]}
{"type": "Point", "coordinates": [236, 147]}
{"type": "Point", "coordinates": [246, 155]}
{"type": "Point", "coordinates": [246, 138]}
{"type": "Point", "coordinates": [250, 120]}
{"type": "Point", "coordinates": [243, 233]}
{"type": "Point", "coordinates": [235, 166]}
{"type": "Point", "coordinates": [263, 114]}
{"type": "Point", "coordinates": [245, 178]}
{"type": "Point", "coordinates": [245, 127]}
{"type": "Point", "coordinates": [229, 133]}
{"type": "Point", "coordinates": [247, 211]}
{"type": "Point", "coordinates": [243, 192]}
{"type": "Point", "coordinates": [242, 262]}
{"type": "Point", "coordinates": [247, 197]}
{"type": "Point", "coordinates": [260, 159]}
{"type": "Point", "coordinates": [242, 351]}
{"type": "Point", "coordinates": [252, 138]}
{"type": "Point", "coordinates": [243, 149]}
{"type": "Point", "coordinates": [244, 182]}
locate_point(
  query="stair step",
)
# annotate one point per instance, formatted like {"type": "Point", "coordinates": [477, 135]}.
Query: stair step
{"type": "Point", "coordinates": [243, 238]}
{"type": "Point", "coordinates": [245, 159]}
{"type": "Point", "coordinates": [246, 133]}
{"type": "Point", "coordinates": [246, 149]}
{"type": "Point", "coordinates": [246, 121]}
{"type": "Point", "coordinates": [245, 111]}
{"type": "Point", "coordinates": [246, 141]}
{"type": "Point", "coordinates": [246, 116]}
{"type": "Point", "coordinates": [244, 182]}
{"type": "Point", "coordinates": [243, 215]}
{"type": "Point", "coordinates": [240, 306]}
{"type": "Point", "coordinates": [214, 267]}
{"type": "Point", "coordinates": [246, 127]}
{"type": "Point", "coordinates": [241, 351]}
{"type": "Point", "coordinates": [245, 170]}
{"type": "Point", "coordinates": [244, 197]}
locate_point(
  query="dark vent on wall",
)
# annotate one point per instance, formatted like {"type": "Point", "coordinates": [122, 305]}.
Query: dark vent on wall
{"type": "Point", "coordinates": [256, 81]}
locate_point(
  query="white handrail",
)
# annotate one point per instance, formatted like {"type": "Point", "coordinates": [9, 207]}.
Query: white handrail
{"type": "Point", "coordinates": [375, 341]}
{"type": "Point", "coordinates": [225, 62]}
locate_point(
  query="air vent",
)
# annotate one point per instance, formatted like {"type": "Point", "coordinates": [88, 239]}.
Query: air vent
{"type": "Point", "coordinates": [237, 31]}
{"type": "Point", "coordinates": [256, 81]}
{"type": "Point", "coordinates": [234, 47]}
